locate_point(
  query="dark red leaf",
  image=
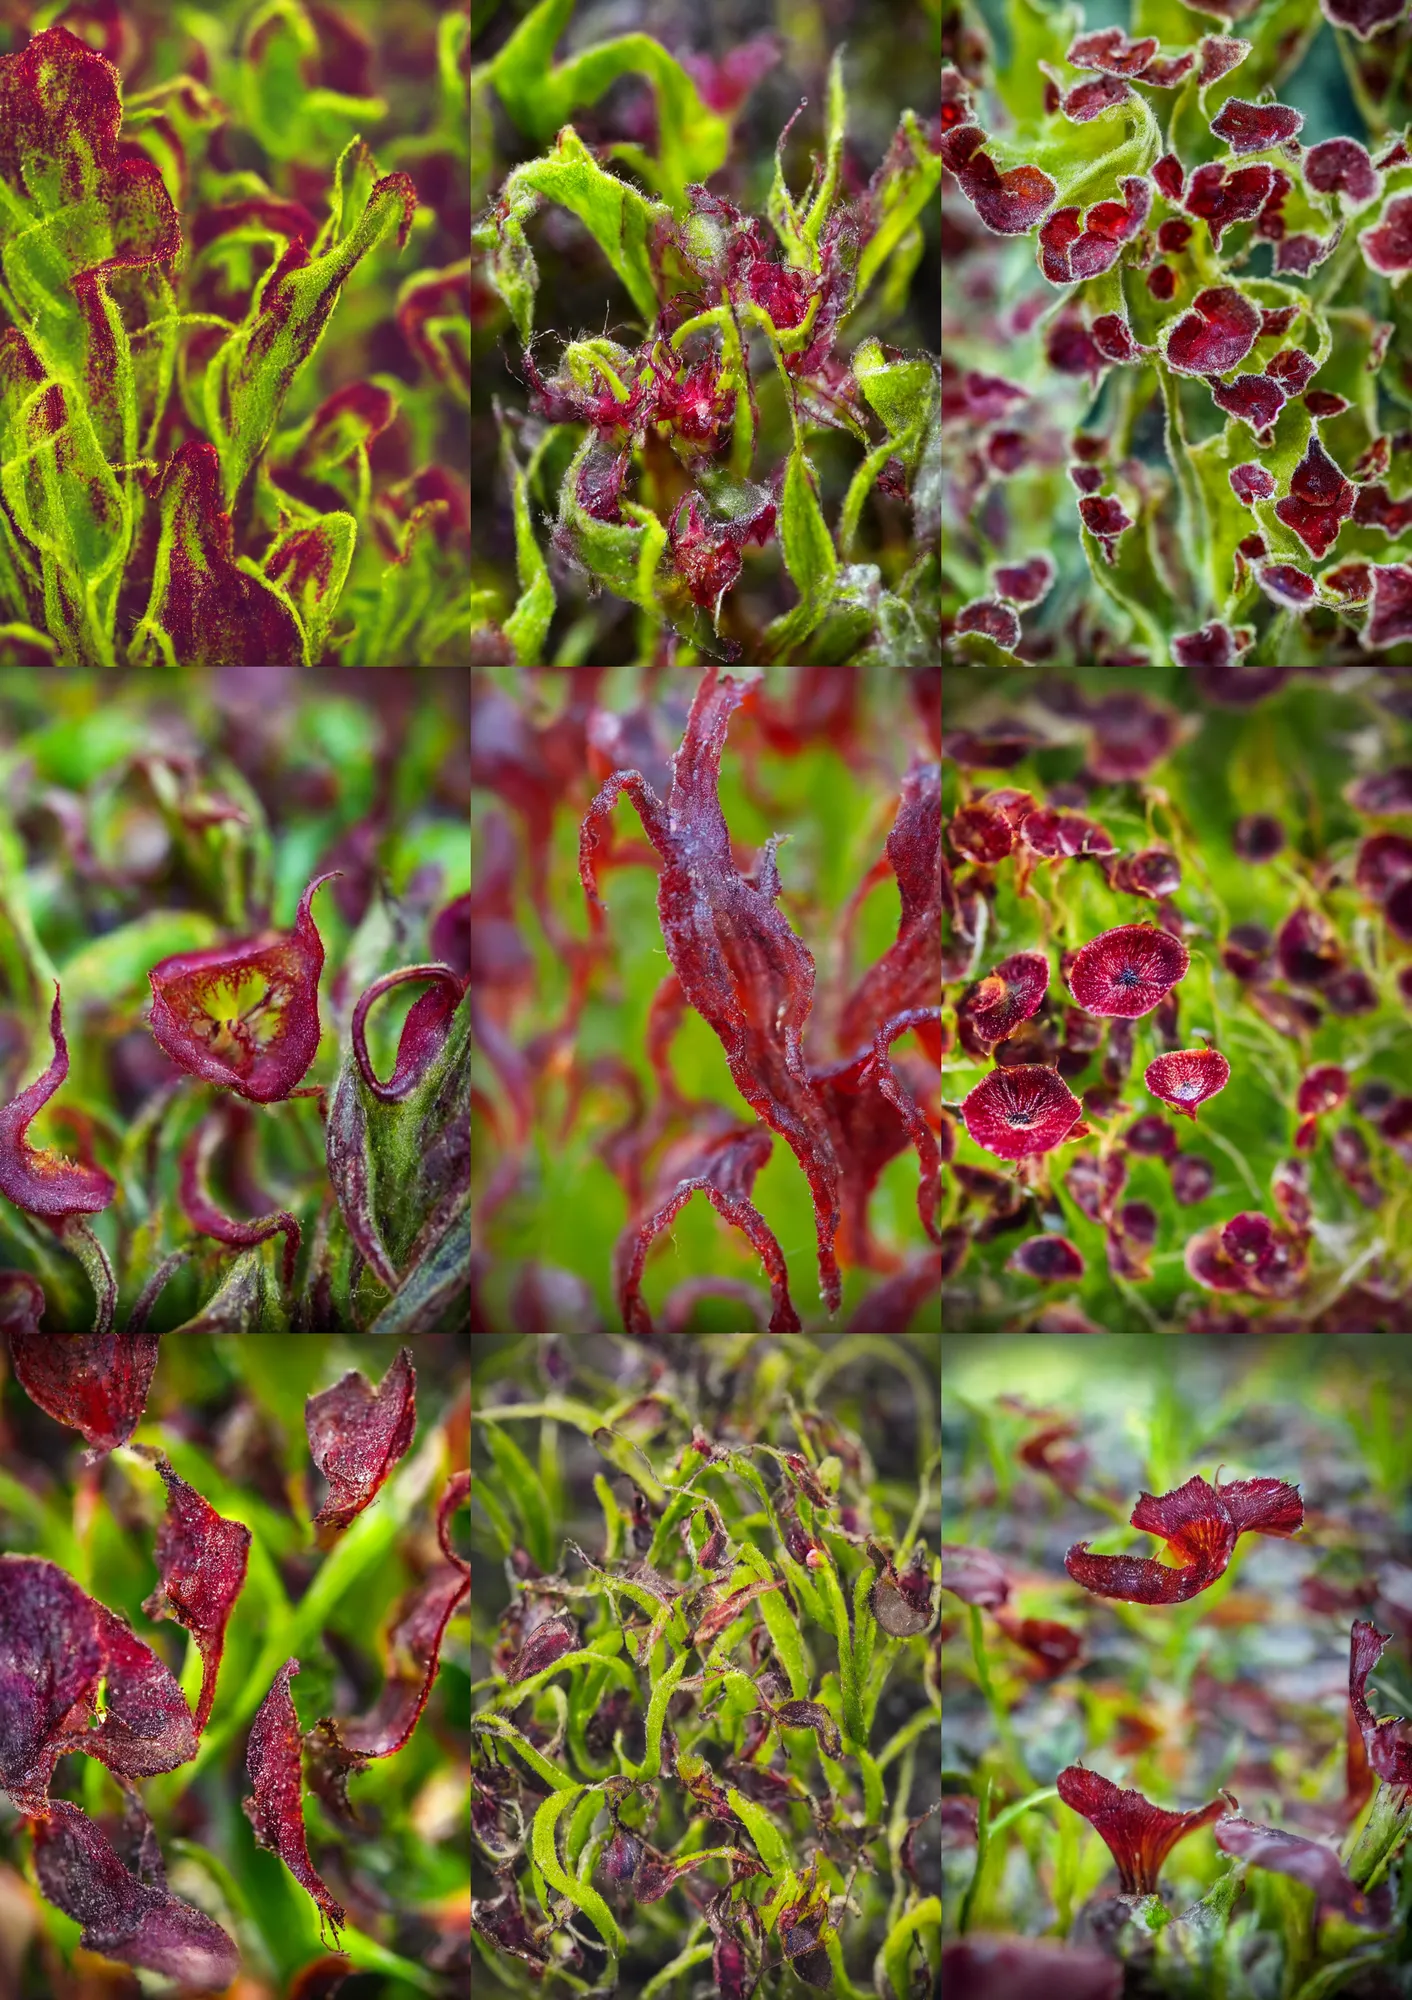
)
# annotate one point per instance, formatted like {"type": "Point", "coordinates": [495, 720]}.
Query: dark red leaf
{"type": "Point", "coordinates": [1251, 483]}
{"type": "Point", "coordinates": [1018, 1111]}
{"type": "Point", "coordinates": [21, 1305]}
{"type": "Point", "coordinates": [1216, 335]}
{"type": "Point", "coordinates": [201, 1561]}
{"type": "Point", "coordinates": [138, 1923]}
{"type": "Point", "coordinates": [1110, 50]}
{"type": "Point", "coordinates": [244, 1016]}
{"type": "Point", "coordinates": [357, 1434]}
{"type": "Point", "coordinates": [1026, 583]}
{"type": "Point", "coordinates": [201, 1210]}
{"type": "Point", "coordinates": [1127, 971]}
{"type": "Point", "coordinates": [974, 1575]}
{"type": "Point", "coordinates": [96, 1383]}
{"type": "Point", "coordinates": [1391, 619]}
{"type": "Point", "coordinates": [1223, 199]}
{"type": "Point", "coordinates": [424, 1031]}
{"type": "Point", "coordinates": [1320, 499]}
{"type": "Point", "coordinates": [1256, 399]}
{"type": "Point", "coordinates": [1307, 1861]}
{"type": "Point", "coordinates": [276, 1808]}
{"type": "Point", "coordinates": [1087, 101]}
{"type": "Point", "coordinates": [996, 621]}
{"type": "Point", "coordinates": [1051, 1259]}
{"type": "Point", "coordinates": [1219, 55]}
{"type": "Point", "coordinates": [1168, 175]}
{"type": "Point", "coordinates": [34, 1178]}
{"type": "Point", "coordinates": [1364, 18]}
{"type": "Point", "coordinates": [1252, 128]}
{"type": "Point", "coordinates": [1389, 1749]}
{"type": "Point", "coordinates": [1162, 282]}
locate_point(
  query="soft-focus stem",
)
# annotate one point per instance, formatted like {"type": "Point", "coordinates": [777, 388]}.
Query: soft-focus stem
{"type": "Point", "coordinates": [993, 1701]}
{"type": "Point", "coordinates": [79, 1238]}
{"type": "Point", "coordinates": [982, 1848]}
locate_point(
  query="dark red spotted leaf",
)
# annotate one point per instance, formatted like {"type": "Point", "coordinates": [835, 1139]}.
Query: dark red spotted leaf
{"type": "Point", "coordinates": [1090, 100]}
{"type": "Point", "coordinates": [546, 1644]}
{"type": "Point", "coordinates": [42, 1182]}
{"type": "Point", "coordinates": [276, 1807]}
{"type": "Point", "coordinates": [1307, 1861]}
{"type": "Point", "coordinates": [1251, 483]}
{"type": "Point", "coordinates": [1009, 204]}
{"type": "Point", "coordinates": [96, 1383]}
{"type": "Point", "coordinates": [1223, 199]}
{"type": "Point", "coordinates": [1111, 51]}
{"type": "Point", "coordinates": [1025, 583]}
{"type": "Point", "coordinates": [1256, 399]}
{"type": "Point", "coordinates": [244, 1016]}
{"type": "Point", "coordinates": [1138, 1834]}
{"type": "Point", "coordinates": [139, 1923]}
{"type": "Point", "coordinates": [996, 621]}
{"type": "Point", "coordinates": [1253, 128]}
{"type": "Point", "coordinates": [1364, 18]}
{"type": "Point", "coordinates": [357, 1434]}
{"type": "Point", "coordinates": [1216, 335]}
{"type": "Point", "coordinates": [201, 1561]}
{"type": "Point", "coordinates": [1391, 619]}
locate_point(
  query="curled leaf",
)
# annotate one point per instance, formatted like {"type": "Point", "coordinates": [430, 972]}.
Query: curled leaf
{"type": "Point", "coordinates": [276, 1809]}
{"type": "Point", "coordinates": [201, 1561]}
{"type": "Point", "coordinates": [203, 1214]}
{"type": "Point", "coordinates": [139, 1923]}
{"type": "Point", "coordinates": [357, 1434]}
{"type": "Point", "coordinates": [424, 1031]}
{"type": "Point", "coordinates": [33, 1178]}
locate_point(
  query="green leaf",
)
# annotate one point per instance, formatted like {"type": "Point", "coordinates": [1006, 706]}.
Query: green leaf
{"type": "Point", "coordinates": [309, 566]}
{"type": "Point", "coordinates": [581, 1894]}
{"type": "Point", "coordinates": [431, 1291]}
{"type": "Point", "coordinates": [487, 1721]}
{"type": "Point", "coordinates": [828, 186]}
{"type": "Point", "coordinates": [897, 1951]}
{"type": "Point", "coordinates": [529, 621]}
{"type": "Point", "coordinates": [911, 175]}
{"type": "Point", "coordinates": [540, 95]}
{"type": "Point", "coordinates": [781, 1624]}
{"type": "Point", "coordinates": [522, 1487]}
{"type": "Point", "coordinates": [763, 1830]}
{"type": "Point", "coordinates": [808, 555]}
{"type": "Point", "coordinates": [618, 218]}
{"type": "Point", "coordinates": [663, 1690]}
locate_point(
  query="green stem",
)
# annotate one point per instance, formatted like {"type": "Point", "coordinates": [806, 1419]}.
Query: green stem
{"type": "Point", "coordinates": [963, 1921]}
{"type": "Point", "coordinates": [853, 1722]}
{"type": "Point", "coordinates": [993, 1701]}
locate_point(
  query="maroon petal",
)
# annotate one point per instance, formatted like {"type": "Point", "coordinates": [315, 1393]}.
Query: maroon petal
{"type": "Point", "coordinates": [1387, 1744]}
{"type": "Point", "coordinates": [996, 621]}
{"type": "Point", "coordinates": [22, 1305]}
{"type": "Point", "coordinates": [974, 1575]}
{"type": "Point", "coordinates": [1262, 1506]}
{"type": "Point", "coordinates": [987, 1968]}
{"type": "Point", "coordinates": [138, 1923]}
{"type": "Point", "coordinates": [1051, 1259]}
{"type": "Point", "coordinates": [276, 1808]}
{"type": "Point", "coordinates": [146, 1726]}
{"type": "Point", "coordinates": [51, 1663]}
{"type": "Point", "coordinates": [1307, 1861]}
{"type": "Point", "coordinates": [1219, 55]}
{"type": "Point", "coordinates": [97, 1383]}
{"type": "Point", "coordinates": [1251, 483]}
{"type": "Point", "coordinates": [1364, 18]}
{"type": "Point", "coordinates": [1025, 583]}
{"type": "Point", "coordinates": [34, 1178]}
{"type": "Point", "coordinates": [1013, 992]}
{"type": "Point", "coordinates": [1285, 584]}
{"type": "Point", "coordinates": [1187, 1077]}
{"type": "Point", "coordinates": [1018, 1111]}
{"type": "Point", "coordinates": [357, 1434]}
{"type": "Point", "coordinates": [1111, 51]}
{"type": "Point", "coordinates": [201, 1561]}
{"type": "Point", "coordinates": [1055, 1646]}
{"type": "Point", "coordinates": [1167, 172]}
{"type": "Point", "coordinates": [1138, 1834]}
{"type": "Point", "coordinates": [244, 1016]}
{"type": "Point", "coordinates": [1127, 971]}
{"type": "Point", "coordinates": [1391, 618]}
{"type": "Point", "coordinates": [1192, 1519]}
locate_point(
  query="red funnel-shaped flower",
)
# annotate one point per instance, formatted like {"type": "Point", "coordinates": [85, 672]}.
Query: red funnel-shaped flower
{"type": "Point", "coordinates": [1127, 971]}
{"type": "Point", "coordinates": [244, 1016]}
{"type": "Point", "coordinates": [1027, 1109]}
{"type": "Point", "coordinates": [1187, 1078]}
{"type": "Point", "coordinates": [1138, 1834]}
{"type": "Point", "coordinates": [1200, 1523]}
{"type": "Point", "coordinates": [33, 1178]}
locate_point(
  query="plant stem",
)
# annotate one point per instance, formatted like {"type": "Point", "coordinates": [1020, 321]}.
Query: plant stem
{"type": "Point", "coordinates": [993, 1701]}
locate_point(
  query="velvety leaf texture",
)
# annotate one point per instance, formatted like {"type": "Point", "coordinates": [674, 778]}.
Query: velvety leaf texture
{"type": "Point", "coordinates": [357, 1435]}
{"type": "Point", "coordinates": [201, 1561]}
{"type": "Point", "coordinates": [95, 1383]}
{"type": "Point", "coordinates": [276, 1807]}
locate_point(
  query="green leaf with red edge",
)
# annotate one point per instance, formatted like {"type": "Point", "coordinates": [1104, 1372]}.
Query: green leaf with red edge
{"type": "Point", "coordinates": [334, 439]}
{"type": "Point", "coordinates": [310, 566]}
{"type": "Point", "coordinates": [207, 609]}
{"type": "Point", "coordinates": [252, 372]}
{"type": "Point", "coordinates": [434, 313]}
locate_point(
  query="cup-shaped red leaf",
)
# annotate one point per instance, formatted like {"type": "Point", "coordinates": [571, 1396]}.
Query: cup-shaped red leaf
{"type": "Point", "coordinates": [1051, 1259]}
{"type": "Point", "coordinates": [201, 1561]}
{"type": "Point", "coordinates": [981, 834]}
{"type": "Point", "coordinates": [1127, 971]}
{"type": "Point", "coordinates": [1138, 1834]}
{"type": "Point", "coordinates": [1187, 1077]}
{"type": "Point", "coordinates": [1216, 335]}
{"type": "Point", "coordinates": [1253, 128]}
{"type": "Point", "coordinates": [140, 1923]}
{"type": "Point", "coordinates": [276, 1808]}
{"type": "Point", "coordinates": [1222, 199]}
{"type": "Point", "coordinates": [1011, 993]}
{"type": "Point", "coordinates": [96, 1383]}
{"type": "Point", "coordinates": [1024, 584]}
{"type": "Point", "coordinates": [1384, 860]}
{"type": "Point", "coordinates": [424, 1031]}
{"type": "Point", "coordinates": [33, 1177]}
{"type": "Point", "coordinates": [245, 1015]}
{"type": "Point", "coordinates": [357, 1434]}
{"type": "Point", "coordinates": [974, 1575]}
{"type": "Point", "coordinates": [1014, 1112]}
{"type": "Point", "coordinates": [1364, 18]}
{"type": "Point", "coordinates": [1307, 1861]}
{"type": "Point", "coordinates": [1250, 483]}
{"type": "Point", "coordinates": [1256, 399]}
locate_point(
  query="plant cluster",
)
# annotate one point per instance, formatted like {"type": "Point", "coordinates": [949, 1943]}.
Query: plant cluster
{"type": "Point", "coordinates": [77, 1680]}
{"type": "Point", "coordinates": [1205, 351]}
{"type": "Point", "coordinates": [212, 1111]}
{"type": "Point", "coordinates": [1289, 1016]}
{"type": "Point", "coordinates": [810, 1061]}
{"type": "Point", "coordinates": [702, 1740]}
{"type": "Point", "coordinates": [650, 448]}
{"type": "Point", "coordinates": [193, 470]}
{"type": "Point", "coordinates": [1305, 1892]}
